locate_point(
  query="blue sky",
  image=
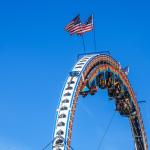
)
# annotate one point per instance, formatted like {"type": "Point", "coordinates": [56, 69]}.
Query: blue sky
{"type": "Point", "coordinates": [36, 55]}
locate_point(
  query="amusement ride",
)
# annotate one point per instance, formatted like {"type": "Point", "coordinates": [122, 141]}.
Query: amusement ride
{"type": "Point", "coordinates": [94, 71]}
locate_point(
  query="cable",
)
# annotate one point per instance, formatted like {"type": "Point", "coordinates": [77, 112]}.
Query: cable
{"type": "Point", "coordinates": [46, 146]}
{"type": "Point", "coordinates": [108, 126]}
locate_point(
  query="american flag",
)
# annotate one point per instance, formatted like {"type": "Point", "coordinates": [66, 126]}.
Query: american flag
{"type": "Point", "coordinates": [74, 26]}
{"type": "Point", "coordinates": [88, 26]}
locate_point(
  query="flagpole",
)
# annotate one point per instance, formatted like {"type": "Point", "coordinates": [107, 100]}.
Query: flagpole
{"type": "Point", "coordinates": [94, 40]}
{"type": "Point", "coordinates": [83, 42]}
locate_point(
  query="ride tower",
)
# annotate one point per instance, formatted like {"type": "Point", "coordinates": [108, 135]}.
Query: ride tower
{"type": "Point", "coordinates": [91, 72]}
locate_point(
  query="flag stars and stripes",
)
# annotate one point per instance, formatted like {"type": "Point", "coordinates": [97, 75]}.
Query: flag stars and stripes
{"type": "Point", "coordinates": [76, 27]}
{"type": "Point", "coordinates": [88, 26]}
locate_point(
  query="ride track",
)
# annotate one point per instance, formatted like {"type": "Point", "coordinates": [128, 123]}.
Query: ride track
{"type": "Point", "coordinates": [88, 70]}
